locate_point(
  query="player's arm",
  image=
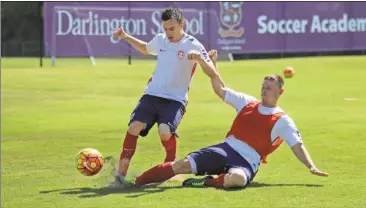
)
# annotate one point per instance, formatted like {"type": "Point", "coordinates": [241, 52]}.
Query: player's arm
{"type": "Point", "coordinates": [287, 130]}
{"type": "Point", "coordinates": [138, 44]}
{"type": "Point", "coordinates": [303, 155]}
{"type": "Point", "coordinates": [217, 83]}
{"type": "Point", "coordinates": [209, 68]}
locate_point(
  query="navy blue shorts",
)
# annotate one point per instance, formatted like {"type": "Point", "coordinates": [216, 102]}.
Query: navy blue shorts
{"type": "Point", "coordinates": [151, 109]}
{"type": "Point", "coordinates": [219, 158]}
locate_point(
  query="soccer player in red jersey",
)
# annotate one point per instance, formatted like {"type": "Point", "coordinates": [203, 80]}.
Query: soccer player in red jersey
{"type": "Point", "coordinates": [259, 128]}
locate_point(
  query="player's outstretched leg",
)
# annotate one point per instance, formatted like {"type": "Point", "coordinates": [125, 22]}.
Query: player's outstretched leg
{"type": "Point", "coordinates": [163, 172]}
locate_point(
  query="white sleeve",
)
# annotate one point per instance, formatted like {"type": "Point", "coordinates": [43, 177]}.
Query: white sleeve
{"type": "Point", "coordinates": [286, 129]}
{"type": "Point", "coordinates": [237, 99]}
{"type": "Point", "coordinates": [152, 46]}
{"type": "Point", "coordinates": [204, 54]}
{"type": "Point", "coordinates": [199, 47]}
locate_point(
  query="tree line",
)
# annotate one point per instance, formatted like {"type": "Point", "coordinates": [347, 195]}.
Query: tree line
{"type": "Point", "coordinates": [20, 22]}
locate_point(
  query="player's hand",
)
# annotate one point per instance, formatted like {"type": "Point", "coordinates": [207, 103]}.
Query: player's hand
{"type": "Point", "coordinates": [194, 55]}
{"type": "Point", "coordinates": [119, 32]}
{"type": "Point", "coordinates": [317, 172]}
{"type": "Point", "coordinates": [213, 55]}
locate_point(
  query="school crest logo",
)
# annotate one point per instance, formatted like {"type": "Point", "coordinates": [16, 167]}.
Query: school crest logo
{"type": "Point", "coordinates": [231, 17]}
{"type": "Point", "coordinates": [180, 54]}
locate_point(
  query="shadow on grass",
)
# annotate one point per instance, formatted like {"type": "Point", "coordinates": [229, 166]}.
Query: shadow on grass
{"type": "Point", "coordinates": [137, 192]}
{"type": "Point", "coordinates": [103, 191]}
{"type": "Point", "coordinates": [88, 192]}
{"type": "Point", "coordinates": [259, 185]}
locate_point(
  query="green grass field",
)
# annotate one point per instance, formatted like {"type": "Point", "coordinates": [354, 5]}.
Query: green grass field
{"type": "Point", "coordinates": [49, 114]}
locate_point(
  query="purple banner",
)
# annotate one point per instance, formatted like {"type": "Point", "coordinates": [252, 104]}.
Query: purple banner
{"type": "Point", "coordinates": [85, 28]}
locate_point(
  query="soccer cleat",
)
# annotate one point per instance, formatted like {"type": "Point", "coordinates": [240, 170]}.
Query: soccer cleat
{"type": "Point", "coordinates": [121, 182]}
{"type": "Point", "coordinates": [196, 182]}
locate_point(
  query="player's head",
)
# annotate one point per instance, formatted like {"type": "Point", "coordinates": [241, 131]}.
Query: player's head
{"type": "Point", "coordinates": [173, 23]}
{"type": "Point", "coordinates": [272, 89]}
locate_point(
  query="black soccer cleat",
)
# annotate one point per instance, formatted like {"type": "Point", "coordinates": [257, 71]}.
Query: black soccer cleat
{"type": "Point", "coordinates": [196, 182]}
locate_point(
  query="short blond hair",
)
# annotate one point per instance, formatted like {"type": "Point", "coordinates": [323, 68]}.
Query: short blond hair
{"type": "Point", "coordinates": [277, 78]}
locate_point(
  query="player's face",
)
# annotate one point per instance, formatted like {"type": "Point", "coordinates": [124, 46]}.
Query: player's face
{"type": "Point", "coordinates": [270, 92]}
{"type": "Point", "coordinates": [173, 29]}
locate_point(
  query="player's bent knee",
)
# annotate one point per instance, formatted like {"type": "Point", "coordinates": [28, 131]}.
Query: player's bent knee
{"type": "Point", "coordinates": [136, 127]}
{"type": "Point", "coordinates": [235, 179]}
{"type": "Point", "coordinates": [182, 166]}
{"type": "Point", "coordinates": [164, 132]}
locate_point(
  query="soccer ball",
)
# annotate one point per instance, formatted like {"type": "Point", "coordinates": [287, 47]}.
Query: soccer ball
{"type": "Point", "coordinates": [89, 161]}
{"type": "Point", "coordinates": [289, 72]}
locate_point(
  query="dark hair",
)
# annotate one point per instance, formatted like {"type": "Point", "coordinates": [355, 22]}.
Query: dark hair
{"type": "Point", "coordinates": [172, 13]}
{"type": "Point", "coordinates": [277, 78]}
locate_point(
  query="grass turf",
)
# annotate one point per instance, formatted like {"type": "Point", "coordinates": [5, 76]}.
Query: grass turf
{"type": "Point", "coordinates": [48, 114]}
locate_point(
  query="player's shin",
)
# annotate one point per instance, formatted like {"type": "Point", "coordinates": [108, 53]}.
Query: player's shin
{"type": "Point", "coordinates": [159, 173]}
{"type": "Point", "coordinates": [170, 148]}
{"type": "Point", "coordinates": [129, 148]}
